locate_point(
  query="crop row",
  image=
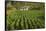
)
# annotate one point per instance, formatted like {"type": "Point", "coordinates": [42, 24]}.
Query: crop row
{"type": "Point", "coordinates": [24, 22]}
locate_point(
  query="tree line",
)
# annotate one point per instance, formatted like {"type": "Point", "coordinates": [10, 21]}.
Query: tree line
{"type": "Point", "coordinates": [33, 5]}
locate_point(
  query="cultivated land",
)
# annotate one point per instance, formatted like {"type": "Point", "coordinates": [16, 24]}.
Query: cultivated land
{"type": "Point", "coordinates": [31, 19]}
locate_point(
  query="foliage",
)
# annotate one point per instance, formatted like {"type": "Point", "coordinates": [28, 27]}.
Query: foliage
{"type": "Point", "coordinates": [32, 5]}
{"type": "Point", "coordinates": [25, 20]}
{"type": "Point", "coordinates": [31, 19]}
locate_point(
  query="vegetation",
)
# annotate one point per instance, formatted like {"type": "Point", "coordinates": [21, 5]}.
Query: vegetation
{"type": "Point", "coordinates": [31, 19]}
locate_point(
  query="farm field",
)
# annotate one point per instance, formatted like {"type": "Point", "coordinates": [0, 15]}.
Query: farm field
{"type": "Point", "coordinates": [20, 20]}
